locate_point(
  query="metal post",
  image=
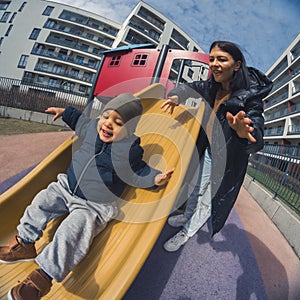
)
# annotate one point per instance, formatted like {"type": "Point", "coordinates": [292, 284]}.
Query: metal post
{"type": "Point", "coordinates": [160, 63]}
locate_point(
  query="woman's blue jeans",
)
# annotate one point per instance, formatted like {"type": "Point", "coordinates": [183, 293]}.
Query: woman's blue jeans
{"type": "Point", "coordinates": [198, 209]}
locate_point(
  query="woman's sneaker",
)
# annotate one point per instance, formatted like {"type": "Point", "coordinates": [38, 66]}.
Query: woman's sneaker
{"type": "Point", "coordinates": [17, 251]}
{"type": "Point", "coordinates": [174, 243]}
{"type": "Point", "coordinates": [177, 221]}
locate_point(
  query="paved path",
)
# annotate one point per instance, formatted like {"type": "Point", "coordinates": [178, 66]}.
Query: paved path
{"type": "Point", "coordinates": [248, 259]}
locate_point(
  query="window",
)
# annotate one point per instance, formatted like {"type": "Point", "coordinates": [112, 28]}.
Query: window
{"type": "Point", "coordinates": [91, 63]}
{"type": "Point", "coordinates": [8, 30]}
{"type": "Point", "coordinates": [12, 17]}
{"type": "Point", "coordinates": [86, 76]}
{"type": "Point", "coordinates": [40, 79]}
{"type": "Point", "coordinates": [89, 36]}
{"type": "Point", "coordinates": [34, 34]}
{"type": "Point", "coordinates": [4, 5]}
{"type": "Point", "coordinates": [74, 72]}
{"type": "Point", "coordinates": [48, 10]}
{"type": "Point", "coordinates": [57, 69]}
{"type": "Point", "coordinates": [96, 51]}
{"type": "Point", "coordinates": [84, 47]}
{"type": "Point", "coordinates": [82, 88]}
{"type": "Point", "coordinates": [22, 6]}
{"type": "Point", "coordinates": [61, 27]}
{"type": "Point", "coordinates": [115, 61]}
{"type": "Point", "coordinates": [53, 82]}
{"type": "Point", "coordinates": [50, 24]}
{"type": "Point", "coordinates": [72, 86]}
{"type": "Point", "coordinates": [28, 76]}
{"type": "Point", "coordinates": [23, 61]}
{"type": "Point", "coordinates": [4, 17]}
{"type": "Point", "coordinates": [190, 73]}
{"type": "Point", "coordinates": [140, 60]}
{"type": "Point", "coordinates": [79, 59]}
{"type": "Point", "coordinates": [44, 66]}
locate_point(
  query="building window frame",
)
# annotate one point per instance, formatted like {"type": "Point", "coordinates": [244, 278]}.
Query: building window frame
{"type": "Point", "coordinates": [35, 34]}
{"type": "Point", "coordinates": [22, 6]}
{"type": "Point", "coordinates": [4, 5]}
{"type": "Point", "coordinates": [48, 10]}
{"type": "Point", "coordinates": [23, 61]}
{"type": "Point", "coordinates": [12, 17]}
{"type": "Point", "coordinates": [5, 17]}
{"type": "Point", "coordinates": [8, 30]}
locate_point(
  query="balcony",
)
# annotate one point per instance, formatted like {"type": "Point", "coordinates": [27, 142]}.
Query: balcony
{"type": "Point", "coordinates": [89, 22]}
{"type": "Point", "coordinates": [63, 57]}
{"type": "Point", "coordinates": [274, 131]}
{"type": "Point", "coordinates": [80, 33]}
{"type": "Point", "coordinates": [73, 45]}
{"type": "Point", "coordinates": [63, 73]}
{"type": "Point", "coordinates": [295, 54]}
{"type": "Point", "coordinates": [149, 32]}
{"type": "Point", "coordinates": [151, 19]}
{"type": "Point", "coordinates": [294, 129]}
{"type": "Point", "coordinates": [284, 112]}
{"type": "Point", "coordinates": [277, 99]}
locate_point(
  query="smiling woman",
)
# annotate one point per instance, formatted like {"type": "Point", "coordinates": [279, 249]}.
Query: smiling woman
{"type": "Point", "coordinates": [232, 129]}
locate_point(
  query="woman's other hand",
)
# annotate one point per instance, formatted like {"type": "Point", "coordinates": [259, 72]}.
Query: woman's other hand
{"type": "Point", "coordinates": [241, 124]}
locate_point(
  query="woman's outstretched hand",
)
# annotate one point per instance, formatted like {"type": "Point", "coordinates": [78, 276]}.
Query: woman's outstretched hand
{"type": "Point", "coordinates": [241, 124]}
{"type": "Point", "coordinates": [169, 105]}
{"type": "Point", "coordinates": [163, 178]}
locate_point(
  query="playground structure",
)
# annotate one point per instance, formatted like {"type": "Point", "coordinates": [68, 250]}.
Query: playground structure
{"type": "Point", "coordinates": [118, 253]}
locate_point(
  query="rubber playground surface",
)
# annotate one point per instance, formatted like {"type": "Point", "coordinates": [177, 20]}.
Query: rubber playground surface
{"type": "Point", "coordinates": [248, 259]}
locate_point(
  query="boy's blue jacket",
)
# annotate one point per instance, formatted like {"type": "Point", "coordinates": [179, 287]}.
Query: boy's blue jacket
{"type": "Point", "coordinates": [100, 171]}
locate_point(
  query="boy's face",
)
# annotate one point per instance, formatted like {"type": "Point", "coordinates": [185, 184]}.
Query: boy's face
{"type": "Point", "coordinates": [111, 127]}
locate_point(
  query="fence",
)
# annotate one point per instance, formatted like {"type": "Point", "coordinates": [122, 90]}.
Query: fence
{"type": "Point", "coordinates": [34, 97]}
{"type": "Point", "coordinates": [277, 168]}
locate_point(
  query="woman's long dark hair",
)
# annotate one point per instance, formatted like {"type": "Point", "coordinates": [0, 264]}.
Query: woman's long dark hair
{"type": "Point", "coordinates": [240, 77]}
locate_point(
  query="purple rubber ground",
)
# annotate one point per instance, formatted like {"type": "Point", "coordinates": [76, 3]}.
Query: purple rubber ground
{"type": "Point", "coordinates": [222, 268]}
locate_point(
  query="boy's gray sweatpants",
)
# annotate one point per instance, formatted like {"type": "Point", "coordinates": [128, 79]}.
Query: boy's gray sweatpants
{"type": "Point", "coordinates": [74, 235]}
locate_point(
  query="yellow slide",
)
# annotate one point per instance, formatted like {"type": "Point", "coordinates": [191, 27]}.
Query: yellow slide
{"type": "Point", "coordinates": [118, 253]}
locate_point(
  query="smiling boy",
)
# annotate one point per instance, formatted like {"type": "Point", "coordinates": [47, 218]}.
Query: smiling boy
{"type": "Point", "coordinates": [88, 193]}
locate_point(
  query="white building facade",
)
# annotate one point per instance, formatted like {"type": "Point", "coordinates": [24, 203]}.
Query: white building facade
{"type": "Point", "coordinates": [56, 45]}
{"type": "Point", "coordinates": [282, 106]}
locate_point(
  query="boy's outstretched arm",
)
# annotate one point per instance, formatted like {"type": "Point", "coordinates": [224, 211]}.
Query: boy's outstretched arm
{"type": "Point", "coordinates": [163, 178]}
{"type": "Point", "coordinates": [57, 111]}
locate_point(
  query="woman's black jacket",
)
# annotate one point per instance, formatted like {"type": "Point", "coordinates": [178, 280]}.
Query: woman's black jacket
{"type": "Point", "coordinates": [229, 152]}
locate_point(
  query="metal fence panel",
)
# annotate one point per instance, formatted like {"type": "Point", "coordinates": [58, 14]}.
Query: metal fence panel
{"type": "Point", "coordinates": [25, 95]}
{"type": "Point", "coordinates": [277, 168]}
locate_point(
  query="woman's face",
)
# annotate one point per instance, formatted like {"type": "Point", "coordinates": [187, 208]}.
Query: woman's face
{"type": "Point", "coordinates": [223, 66]}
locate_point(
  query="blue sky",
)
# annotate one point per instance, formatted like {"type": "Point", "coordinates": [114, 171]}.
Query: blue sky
{"type": "Point", "coordinates": [262, 28]}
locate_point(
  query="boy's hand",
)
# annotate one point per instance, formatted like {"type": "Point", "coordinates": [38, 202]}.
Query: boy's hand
{"type": "Point", "coordinates": [57, 111]}
{"type": "Point", "coordinates": [163, 178]}
{"type": "Point", "coordinates": [241, 124]}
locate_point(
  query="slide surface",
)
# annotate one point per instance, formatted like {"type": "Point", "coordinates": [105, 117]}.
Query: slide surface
{"type": "Point", "coordinates": [118, 253]}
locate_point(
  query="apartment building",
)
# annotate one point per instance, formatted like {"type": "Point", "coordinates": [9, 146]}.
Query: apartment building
{"type": "Point", "coordinates": [59, 46]}
{"type": "Point", "coordinates": [282, 106]}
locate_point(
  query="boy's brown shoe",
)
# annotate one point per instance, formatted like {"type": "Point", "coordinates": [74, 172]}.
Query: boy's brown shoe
{"type": "Point", "coordinates": [17, 251]}
{"type": "Point", "coordinates": [34, 287]}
